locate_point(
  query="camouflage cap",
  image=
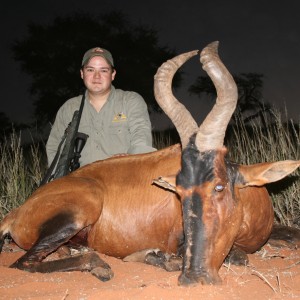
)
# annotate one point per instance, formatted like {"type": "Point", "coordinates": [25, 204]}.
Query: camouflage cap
{"type": "Point", "coordinates": [97, 51]}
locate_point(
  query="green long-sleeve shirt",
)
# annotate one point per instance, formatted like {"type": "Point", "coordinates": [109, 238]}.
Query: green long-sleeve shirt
{"type": "Point", "coordinates": [121, 126]}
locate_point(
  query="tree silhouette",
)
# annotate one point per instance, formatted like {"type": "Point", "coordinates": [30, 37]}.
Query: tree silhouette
{"type": "Point", "coordinates": [8, 126]}
{"type": "Point", "coordinates": [52, 54]}
{"type": "Point", "coordinates": [5, 124]}
{"type": "Point", "coordinates": [250, 102]}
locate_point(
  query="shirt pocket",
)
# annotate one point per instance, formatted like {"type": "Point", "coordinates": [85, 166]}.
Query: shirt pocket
{"type": "Point", "coordinates": [119, 138]}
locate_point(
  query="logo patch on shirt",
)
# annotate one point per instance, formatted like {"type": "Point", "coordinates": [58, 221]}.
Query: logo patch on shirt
{"type": "Point", "coordinates": [119, 117]}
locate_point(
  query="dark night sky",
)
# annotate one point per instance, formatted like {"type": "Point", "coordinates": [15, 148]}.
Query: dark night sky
{"type": "Point", "coordinates": [255, 36]}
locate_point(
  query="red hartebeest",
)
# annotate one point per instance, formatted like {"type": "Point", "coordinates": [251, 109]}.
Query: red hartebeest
{"type": "Point", "coordinates": [112, 206]}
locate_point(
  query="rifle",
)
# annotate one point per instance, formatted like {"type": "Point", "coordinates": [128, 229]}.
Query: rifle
{"type": "Point", "coordinates": [67, 160]}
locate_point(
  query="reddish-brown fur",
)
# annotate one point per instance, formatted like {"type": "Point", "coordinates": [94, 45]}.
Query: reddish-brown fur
{"type": "Point", "coordinates": [116, 196]}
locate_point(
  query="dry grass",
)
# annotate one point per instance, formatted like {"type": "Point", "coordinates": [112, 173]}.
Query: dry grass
{"type": "Point", "coordinates": [275, 141]}
{"type": "Point", "coordinates": [21, 168]}
{"type": "Point", "coordinates": [20, 172]}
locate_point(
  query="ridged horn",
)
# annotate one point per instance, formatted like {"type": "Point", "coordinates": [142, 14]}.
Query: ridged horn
{"type": "Point", "coordinates": [212, 130]}
{"type": "Point", "coordinates": [177, 112]}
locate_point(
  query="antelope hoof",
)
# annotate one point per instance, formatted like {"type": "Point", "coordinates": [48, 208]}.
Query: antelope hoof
{"type": "Point", "coordinates": [103, 274]}
{"type": "Point", "coordinates": [192, 280]}
{"type": "Point", "coordinates": [284, 236]}
{"type": "Point", "coordinates": [156, 259]}
{"type": "Point", "coordinates": [237, 257]}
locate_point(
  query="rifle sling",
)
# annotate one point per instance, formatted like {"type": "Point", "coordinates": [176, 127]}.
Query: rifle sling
{"type": "Point", "coordinates": [48, 174]}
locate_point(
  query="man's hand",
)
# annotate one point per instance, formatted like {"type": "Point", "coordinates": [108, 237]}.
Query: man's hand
{"type": "Point", "coordinates": [120, 154]}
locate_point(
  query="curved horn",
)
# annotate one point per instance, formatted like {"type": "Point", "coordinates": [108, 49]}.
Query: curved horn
{"type": "Point", "coordinates": [212, 130]}
{"type": "Point", "coordinates": [177, 112]}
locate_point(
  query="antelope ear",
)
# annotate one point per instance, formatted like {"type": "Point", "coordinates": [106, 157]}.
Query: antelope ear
{"type": "Point", "coordinates": [260, 174]}
{"type": "Point", "coordinates": [166, 182]}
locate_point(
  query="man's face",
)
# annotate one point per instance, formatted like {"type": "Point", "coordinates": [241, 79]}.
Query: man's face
{"type": "Point", "coordinates": [98, 75]}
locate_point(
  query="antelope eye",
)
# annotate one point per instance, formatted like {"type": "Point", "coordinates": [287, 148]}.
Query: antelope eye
{"type": "Point", "coordinates": [219, 188]}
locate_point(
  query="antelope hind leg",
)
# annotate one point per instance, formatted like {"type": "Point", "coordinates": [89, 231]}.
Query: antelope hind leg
{"type": "Point", "coordinates": [89, 262]}
{"type": "Point", "coordinates": [55, 233]}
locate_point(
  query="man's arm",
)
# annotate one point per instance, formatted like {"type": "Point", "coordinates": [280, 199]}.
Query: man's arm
{"type": "Point", "coordinates": [139, 125]}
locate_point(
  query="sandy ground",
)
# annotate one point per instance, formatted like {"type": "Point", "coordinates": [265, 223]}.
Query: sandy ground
{"type": "Point", "coordinates": [272, 273]}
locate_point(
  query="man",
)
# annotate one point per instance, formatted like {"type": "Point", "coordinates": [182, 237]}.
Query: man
{"type": "Point", "coordinates": [116, 121]}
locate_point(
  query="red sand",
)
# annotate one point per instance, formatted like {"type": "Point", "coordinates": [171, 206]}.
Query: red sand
{"type": "Point", "coordinates": [271, 274]}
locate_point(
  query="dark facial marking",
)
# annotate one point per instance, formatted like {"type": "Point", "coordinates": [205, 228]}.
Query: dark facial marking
{"type": "Point", "coordinates": [201, 183]}
{"type": "Point", "coordinates": [196, 168]}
